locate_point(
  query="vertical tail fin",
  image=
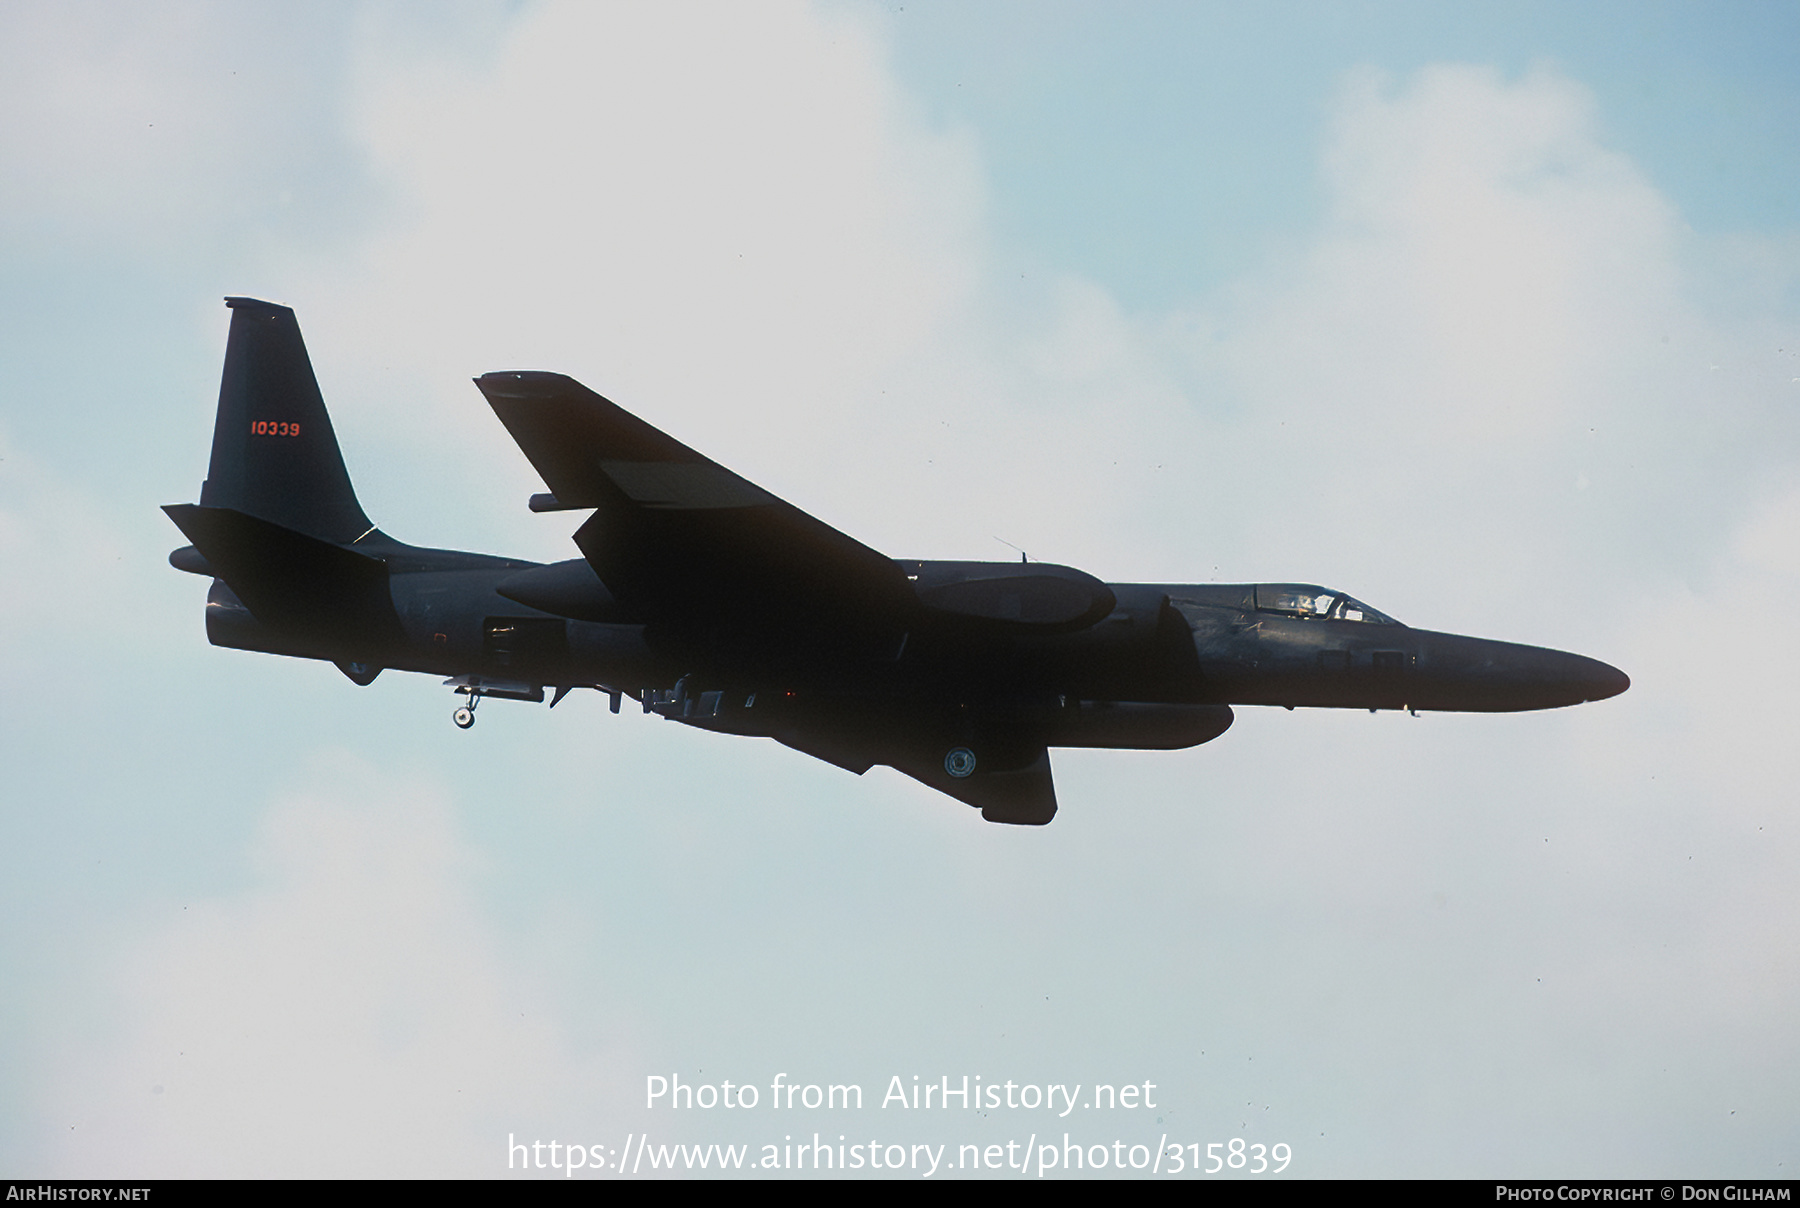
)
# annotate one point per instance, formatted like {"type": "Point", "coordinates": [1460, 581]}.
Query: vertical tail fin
{"type": "Point", "coordinates": [274, 455]}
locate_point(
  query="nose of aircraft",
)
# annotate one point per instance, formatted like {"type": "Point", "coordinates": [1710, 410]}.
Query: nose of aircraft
{"type": "Point", "coordinates": [1477, 674]}
{"type": "Point", "coordinates": [1601, 680]}
{"type": "Point", "coordinates": [1572, 679]}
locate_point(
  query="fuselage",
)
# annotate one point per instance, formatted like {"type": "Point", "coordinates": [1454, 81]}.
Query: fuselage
{"type": "Point", "coordinates": [1177, 645]}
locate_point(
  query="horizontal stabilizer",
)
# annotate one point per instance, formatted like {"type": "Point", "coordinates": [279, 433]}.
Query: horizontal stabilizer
{"type": "Point", "coordinates": [290, 581]}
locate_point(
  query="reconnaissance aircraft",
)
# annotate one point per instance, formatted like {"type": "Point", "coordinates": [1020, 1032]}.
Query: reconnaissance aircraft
{"type": "Point", "coordinates": [712, 603]}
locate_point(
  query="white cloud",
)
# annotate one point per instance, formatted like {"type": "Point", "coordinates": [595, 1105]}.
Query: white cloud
{"type": "Point", "coordinates": [1715, 661]}
{"type": "Point", "coordinates": [1486, 222]}
{"type": "Point", "coordinates": [171, 134]}
{"type": "Point", "coordinates": [70, 562]}
{"type": "Point", "coordinates": [352, 1013]}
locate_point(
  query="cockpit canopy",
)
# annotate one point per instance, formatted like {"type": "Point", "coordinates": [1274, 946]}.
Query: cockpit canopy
{"type": "Point", "coordinates": [1318, 603]}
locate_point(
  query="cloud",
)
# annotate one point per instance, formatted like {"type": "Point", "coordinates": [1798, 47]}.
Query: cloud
{"type": "Point", "coordinates": [175, 133]}
{"type": "Point", "coordinates": [1716, 661]}
{"type": "Point", "coordinates": [352, 1012]}
{"type": "Point", "coordinates": [1487, 222]}
{"type": "Point", "coordinates": [69, 561]}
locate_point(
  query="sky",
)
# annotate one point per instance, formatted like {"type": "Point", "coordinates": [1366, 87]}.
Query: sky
{"type": "Point", "coordinates": [1489, 318]}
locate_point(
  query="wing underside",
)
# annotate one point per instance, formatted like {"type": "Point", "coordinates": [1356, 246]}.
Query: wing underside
{"type": "Point", "coordinates": [1023, 791]}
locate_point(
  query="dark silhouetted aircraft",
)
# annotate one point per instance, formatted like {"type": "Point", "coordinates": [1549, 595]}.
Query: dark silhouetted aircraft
{"type": "Point", "coordinates": [712, 603]}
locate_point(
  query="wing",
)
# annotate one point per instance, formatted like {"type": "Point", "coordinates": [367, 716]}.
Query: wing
{"type": "Point", "coordinates": [1023, 796]}
{"type": "Point", "coordinates": [1022, 793]}
{"type": "Point", "coordinates": [681, 540]}
{"type": "Point", "coordinates": [717, 564]}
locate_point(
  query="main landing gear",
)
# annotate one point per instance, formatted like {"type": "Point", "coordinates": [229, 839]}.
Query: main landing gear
{"type": "Point", "coordinates": [477, 686]}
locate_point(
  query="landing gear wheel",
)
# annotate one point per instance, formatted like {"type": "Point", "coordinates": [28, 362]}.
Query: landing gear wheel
{"type": "Point", "coordinates": [960, 762]}
{"type": "Point", "coordinates": [465, 716]}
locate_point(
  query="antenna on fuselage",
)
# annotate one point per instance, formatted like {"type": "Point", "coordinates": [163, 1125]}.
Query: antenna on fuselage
{"type": "Point", "coordinates": [1023, 556]}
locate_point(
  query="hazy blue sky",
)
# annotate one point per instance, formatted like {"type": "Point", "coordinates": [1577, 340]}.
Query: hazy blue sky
{"type": "Point", "coordinates": [1489, 318]}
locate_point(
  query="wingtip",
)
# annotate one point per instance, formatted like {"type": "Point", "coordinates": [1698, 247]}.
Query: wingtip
{"type": "Point", "coordinates": [238, 303]}
{"type": "Point", "coordinates": [527, 377]}
{"type": "Point", "coordinates": [529, 384]}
